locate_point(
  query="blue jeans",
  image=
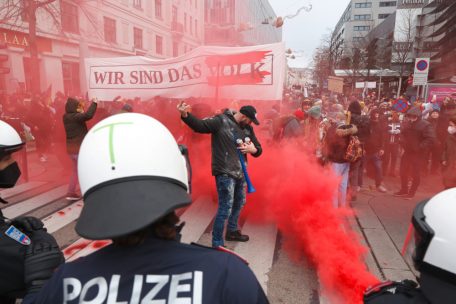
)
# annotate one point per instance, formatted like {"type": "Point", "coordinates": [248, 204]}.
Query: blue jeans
{"type": "Point", "coordinates": [340, 197]}
{"type": "Point", "coordinates": [231, 199]}
{"type": "Point", "coordinates": [74, 174]}
{"type": "Point", "coordinates": [376, 165]}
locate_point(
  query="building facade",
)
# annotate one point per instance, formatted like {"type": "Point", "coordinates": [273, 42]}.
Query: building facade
{"type": "Point", "coordinates": [101, 28]}
{"type": "Point", "coordinates": [358, 19]}
{"type": "Point", "coordinates": [240, 23]}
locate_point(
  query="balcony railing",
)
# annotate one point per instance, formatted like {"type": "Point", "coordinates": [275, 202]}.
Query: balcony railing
{"type": "Point", "coordinates": [177, 29]}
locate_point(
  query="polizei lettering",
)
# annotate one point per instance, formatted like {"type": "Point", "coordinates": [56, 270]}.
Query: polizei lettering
{"type": "Point", "coordinates": [185, 288]}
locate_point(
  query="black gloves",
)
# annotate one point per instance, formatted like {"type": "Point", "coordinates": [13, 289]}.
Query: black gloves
{"type": "Point", "coordinates": [27, 223]}
{"type": "Point", "coordinates": [42, 256]}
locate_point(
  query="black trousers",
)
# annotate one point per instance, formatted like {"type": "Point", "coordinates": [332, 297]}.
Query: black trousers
{"type": "Point", "coordinates": [411, 164]}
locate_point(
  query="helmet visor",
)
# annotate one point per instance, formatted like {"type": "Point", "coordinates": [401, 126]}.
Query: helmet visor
{"type": "Point", "coordinates": [419, 236]}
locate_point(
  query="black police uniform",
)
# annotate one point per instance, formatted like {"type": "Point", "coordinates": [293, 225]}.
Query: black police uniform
{"type": "Point", "coordinates": [405, 292]}
{"type": "Point", "coordinates": [155, 270]}
{"type": "Point", "coordinates": [12, 254]}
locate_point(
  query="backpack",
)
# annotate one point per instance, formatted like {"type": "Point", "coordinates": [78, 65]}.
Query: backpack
{"type": "Point", "coordinates": [354, 149]}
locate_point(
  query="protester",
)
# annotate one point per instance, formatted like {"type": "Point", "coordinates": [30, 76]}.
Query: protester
{"type": "Point", "coordinates": [74, 122]}
{"type": "Point", "coordinates": [288, 126]}
{"type": "Point", "coordinates": [133, 201]}
{"type": "Point", "coordinates": [435, 152]}
{"type": "Point", "coordinates": [337, 140]}
{"type": "Point", "coordinates": [432, 251]}
{"type": "Point", "coordinates": [375, 149]}
{"type": "Point", "coordinates": [225, 130]}
{"type": "Point", "coordinates": [392, 145]}
{"type": "Point", "coordinates": [362, 123]}
{"type": "Point", "coordinates": [21, 237]}
{"type": "Point", "coordinates": [449, 156]}
{"type": "Point", "coordinates": [417, 138]}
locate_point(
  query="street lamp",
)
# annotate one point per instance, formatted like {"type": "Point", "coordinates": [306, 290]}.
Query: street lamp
{"type": "Point", "coordinates": [380, 84]}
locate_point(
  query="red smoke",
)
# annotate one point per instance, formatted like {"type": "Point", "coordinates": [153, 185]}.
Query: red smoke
{"type": "Point", "coordinates": [295, 193]}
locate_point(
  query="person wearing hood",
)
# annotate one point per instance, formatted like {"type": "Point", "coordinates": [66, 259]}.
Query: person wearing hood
{"type": "Point", "coordinates": [74, 121]}
{"type": "Point", "coordinates": [418, 137]}
{"type": "Point", "coordinates": [449, 156]}
{"type": "Point", "coordinates": [362, 123]}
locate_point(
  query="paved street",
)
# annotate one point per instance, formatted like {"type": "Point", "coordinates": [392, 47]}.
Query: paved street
{"type": "Point", "coordinates": [382, 222]}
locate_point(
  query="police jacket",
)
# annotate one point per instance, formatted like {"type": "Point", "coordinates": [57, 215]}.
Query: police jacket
{"type": "Point", "coordinates": [157, 271]}
{"type": "Point", "coordinates": [12, 255]}
{"type": "Point", "coordinates": [75, 124]}
{"type": "Point", "coordinates": [405, 292]}
{"type": "Point", "coordinates": [225, 131]}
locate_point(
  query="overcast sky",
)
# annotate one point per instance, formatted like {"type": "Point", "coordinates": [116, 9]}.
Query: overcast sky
{"type": "Point", "coordinates": [304, 32]}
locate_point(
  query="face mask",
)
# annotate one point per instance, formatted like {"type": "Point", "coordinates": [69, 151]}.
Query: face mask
{"type": "Point", "coordinates": [9, 176]}
{"type": "Point", "coordinates": [452, 130]}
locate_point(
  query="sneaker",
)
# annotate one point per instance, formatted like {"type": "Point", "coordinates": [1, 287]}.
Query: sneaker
{"type": "Point", "coordinates": [401, 193]}
{"type": "Point", "coordinates": [236, 236]}
{"type": "Point", "coordinates": [73, 197]}
{"type": "Point", "coordinates": [381, 189]}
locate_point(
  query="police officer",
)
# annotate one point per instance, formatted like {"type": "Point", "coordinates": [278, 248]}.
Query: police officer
{"type": "Point", "coordinates": [23, 236]}
{"type": "Point", "coordinates": [434, 255]}
{"type": "Point", "coordinates": [133, 176]}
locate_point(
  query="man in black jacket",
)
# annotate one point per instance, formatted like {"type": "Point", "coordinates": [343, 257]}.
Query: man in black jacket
{"type": "Point", "coordinates": [226, 129]}
{"type": "Point", "coordinates": [74, 121]}
{"type": "Point", "coordinates": [418, 137]}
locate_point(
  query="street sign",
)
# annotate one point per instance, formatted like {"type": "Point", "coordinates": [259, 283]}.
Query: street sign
{"type": "Point", "coordinates": [4, 70]}
{"type": "Point", "coordinates": [420, 75]}
{"type": "Point", "coordinates": [3, 58]}
{"type": "Point", "coordinates": [366, 84]}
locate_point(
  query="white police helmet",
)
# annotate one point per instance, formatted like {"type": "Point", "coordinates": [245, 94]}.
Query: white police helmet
{"type": "Point", "coordinates": [131, 172]}
{"type": "Point", "coordinates": [435, 237]}
{"type": "Point", "coordinates": [10, 141]}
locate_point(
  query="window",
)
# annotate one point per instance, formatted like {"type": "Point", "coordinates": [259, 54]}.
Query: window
{"type": "Point", "coordinates": [158, 9]}
{"type": "Point", "coordinates": [174, 14]}
{"type": "Point", "coordinates": [363, 5]}
{"type": "Point", "coordinates": [363, 17]}
{"type": "Point", "coordinates": [361, 28]}
{"type": "Point", "coordinates": [383, 16]}
{"type": "Point", "coordinates": [191, 25]}
{"type": "Point", "coordinates": [137, 4]}
{"type": "Point", "coordinates": [71, 83]}
{"type": "Point", "coordinates": [137, 38]}
{"type": "Point", "coordinates": [110, 30]}
{"type": "Point", "coordinates": [196, 28]}
{"type": "Point", "coordinates": [387, 3]}
{"type": "Point", "coordinates": [175, 49]}
{"type": "Point", "coordinates": [159, 44]}
{"type": "Point", "coordinates": [358, 39]}
{"type": "Point", "coordinates": [185, 22]}
{"type": "Point", "coordinates": [69, 16]}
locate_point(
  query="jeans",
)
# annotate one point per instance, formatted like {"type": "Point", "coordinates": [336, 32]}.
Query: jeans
{"type": "Point", "coordinates": [375, 164]}
{"type": "Point", "coordinates": [231, 199]}
{"type": "Point", "coordinates": [74, 174]}
{"type": "Point", "coordinates": [340, 197]}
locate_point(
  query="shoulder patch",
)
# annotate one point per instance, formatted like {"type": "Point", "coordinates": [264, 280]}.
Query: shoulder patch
{"type": "Point", "coordinates": [222, 249]}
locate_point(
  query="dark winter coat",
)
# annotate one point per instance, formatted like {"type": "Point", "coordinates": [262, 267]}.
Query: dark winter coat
{"type": "Point", "coordinates": [418, 137]}
{"type": "Point", "coordinates": [362, 123]}
{"type": "Point", "coordinates": [449, 156]}
{"type": "Point", "coordinates": [376, 140]}
{"type": "Point", "coordinates": [225, 131]}
{"type": "Point", "coordinates": [75, 124]}
{"type": "Point", "coordinates": [337, 140]}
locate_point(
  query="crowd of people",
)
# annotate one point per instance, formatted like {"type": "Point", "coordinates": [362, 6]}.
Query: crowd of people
{"type": "Point", "coordinates": [134, 204]}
